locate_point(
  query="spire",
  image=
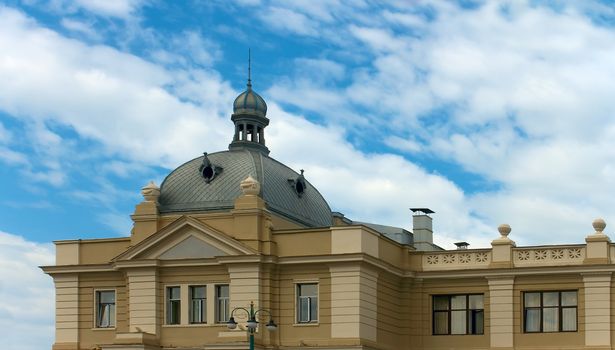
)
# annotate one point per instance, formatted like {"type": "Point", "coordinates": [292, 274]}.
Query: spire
{"type": "Point", "coordinates": [250, 118]}
{"type": "Point", "coordinates": [249, 69]}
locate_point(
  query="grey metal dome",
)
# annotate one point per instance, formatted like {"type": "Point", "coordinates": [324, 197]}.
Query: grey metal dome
{"type": "Point", "coordinates": [250, 102]}
{"type": "Point", "coordinates": [211, 182]}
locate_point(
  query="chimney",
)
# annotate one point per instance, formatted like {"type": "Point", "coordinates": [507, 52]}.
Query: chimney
{"type": "Point", "coordinates": [422, 225]}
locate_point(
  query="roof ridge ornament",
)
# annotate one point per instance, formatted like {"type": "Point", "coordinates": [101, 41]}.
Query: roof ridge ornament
{"type": "Point", "coordinates": [250, 186]}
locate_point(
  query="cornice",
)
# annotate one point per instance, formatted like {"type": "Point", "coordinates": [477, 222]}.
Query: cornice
{"type": "Point", "coordinates": [524, 271]}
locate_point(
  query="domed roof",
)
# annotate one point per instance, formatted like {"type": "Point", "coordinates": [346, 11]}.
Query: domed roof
{"type": "Point", "coordinates": [250, 102]}
{"type": "Point", "coordinates": [211, 182]}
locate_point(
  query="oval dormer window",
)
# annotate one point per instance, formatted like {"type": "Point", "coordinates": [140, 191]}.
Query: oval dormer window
{"type": "Point", "coordinates": [208, 173]}
{"type": "Point", "coordinates": [208, 169]}
{"type": "Point", "coordinates": [299, 187]}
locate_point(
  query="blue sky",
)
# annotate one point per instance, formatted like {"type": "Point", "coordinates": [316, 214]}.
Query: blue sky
{"type": "Point", "coordinates": [486, 112]}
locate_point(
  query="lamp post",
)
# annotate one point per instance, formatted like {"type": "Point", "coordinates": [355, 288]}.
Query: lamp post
{"type": "Point", "coordinates": [252, 322]}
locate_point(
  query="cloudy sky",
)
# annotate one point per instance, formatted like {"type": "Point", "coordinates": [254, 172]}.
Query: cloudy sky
{"type": "Point", "coordinates": [486, 112]}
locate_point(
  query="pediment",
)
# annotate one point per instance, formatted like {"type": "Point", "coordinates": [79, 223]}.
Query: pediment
{"type": "Point", "coordinates": [192, 247]}
{"type": "Point", "coordinates": [185, 238]}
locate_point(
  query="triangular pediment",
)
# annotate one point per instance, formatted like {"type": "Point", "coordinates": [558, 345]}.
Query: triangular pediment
{"type": "Point", "coordinates": [192, 248]}
{"type": "Point", "coordinates": [185, 238]}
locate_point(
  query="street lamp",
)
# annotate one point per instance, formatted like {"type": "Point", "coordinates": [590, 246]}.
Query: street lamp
{"type": "Point", "coordinates": [252, 322]}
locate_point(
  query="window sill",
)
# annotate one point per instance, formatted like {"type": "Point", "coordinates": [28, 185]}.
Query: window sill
{"type": "Point", "coordinates": [196, 325]}
{"type": "Point", "coordinates": [103, 329]}
{"type": "Point", "coordinates": [307, 324]}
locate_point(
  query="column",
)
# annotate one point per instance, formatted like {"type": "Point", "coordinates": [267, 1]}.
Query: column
{"type": "Point", "coordinates": [597, 309]}
{"type": "Point", "coordinates": [354, 302]}
{"type": "Point", "coordinates": [67, 309]}
{"type": "Point", "coordinates": [261, 137]}
{"type": "Point", "coordinates": [143, 299]}
{"type": "Point", "coordinates": [501, 311]}
{"type": "Point", "coordinates": [244, 137]}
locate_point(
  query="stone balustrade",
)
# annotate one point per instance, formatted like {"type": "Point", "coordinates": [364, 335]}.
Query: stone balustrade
{"type": "Point", "coordinates": [457, 259]}
{"type": "Point", "coordinates": [549, 256]}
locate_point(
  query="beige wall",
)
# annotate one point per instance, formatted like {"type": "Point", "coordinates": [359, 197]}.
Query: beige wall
{"type": "Point", "coordinates": [89, 335]}
{"type": "Point", "coordinates": [555, 283]}
{"type": "Point", "coordinates": [373, 292]}
{"type": "Point", "coordinates": [421, 306]}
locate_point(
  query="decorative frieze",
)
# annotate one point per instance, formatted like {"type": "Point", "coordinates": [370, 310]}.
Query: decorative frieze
{"type": "Point", "coordinates": [571, 255]}
{"type": "Point", "coordinates": [450, 260]}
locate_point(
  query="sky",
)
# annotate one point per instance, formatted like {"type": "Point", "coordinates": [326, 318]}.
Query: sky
{"type": "Point", "coordinates": [486, 112]}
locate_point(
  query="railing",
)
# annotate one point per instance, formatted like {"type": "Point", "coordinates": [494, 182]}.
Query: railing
{"type": "Point", "coordinates": [456, 260]}
{"type": "Point", "coordinates": [549, 256]}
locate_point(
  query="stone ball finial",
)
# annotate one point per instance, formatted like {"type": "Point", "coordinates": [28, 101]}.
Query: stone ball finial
{"type": "Point", "coordinates": [599, 225]}
{"type": "Point", "coordinates": [504, 230]}
{"type": "Point", "coordinates": [150, 192]}
{"type": "Point", "coordinates": [250, 187]}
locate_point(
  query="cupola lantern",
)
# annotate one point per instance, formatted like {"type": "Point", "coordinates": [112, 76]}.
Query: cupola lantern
{"type": "Point", "coordinates": [250, 119]}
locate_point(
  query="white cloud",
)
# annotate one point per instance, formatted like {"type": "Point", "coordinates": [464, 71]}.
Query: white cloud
{"type": "Point", "coordinates": [5, 135]}
{"type": "Point", "coordinates": [26, 294]}
{"type": "Point", "coordinates": [107, 8]}
{"type": "Point", "coordinates": [376, 188]}
{"type": "Point", "coordinates": [108, 96]}
{"type": "Point", "coordinates": [288, 20]}
{"type": "Point", "coordinates": [80, 27]}
{"type": "Point", "coordinates": [516, 94]}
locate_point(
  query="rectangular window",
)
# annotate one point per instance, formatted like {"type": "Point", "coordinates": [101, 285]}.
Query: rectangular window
{"type": "Point", "coordinates": [307, 302]}
{"type": "Point", "coordinates": [222, 303]}
{"type": "Point", "coordinates": [198, 304]}
{"type": "Point", "coordinates": [458, 314]}
{"type": "Point", "coordinates": [553, 311]}
{"type": "Point", "coordinates": [105, 309]}
{"type": "Point", "coordinates": [173, 305]}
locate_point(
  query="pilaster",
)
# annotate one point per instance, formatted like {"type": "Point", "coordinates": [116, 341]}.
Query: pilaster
{"type": "Point", "coordinates": [67, 311]}
{"type": "Point", "coordinates": [143, 300]}
{"type": "Point", "coordinates": [501, 311]}
{"type": "Point", "coordinates": [354, 302]}
{"type": "Point", "coordinates": [597, 310]}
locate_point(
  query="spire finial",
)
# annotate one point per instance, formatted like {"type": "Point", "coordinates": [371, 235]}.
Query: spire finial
{"type": "Point", "coordinates": [249, 68]}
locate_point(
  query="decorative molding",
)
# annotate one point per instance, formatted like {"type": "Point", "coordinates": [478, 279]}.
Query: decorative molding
{"type": "Point", "coordinates": [456, 260]}
{"type": "Point", "coordinates": [541, 256]}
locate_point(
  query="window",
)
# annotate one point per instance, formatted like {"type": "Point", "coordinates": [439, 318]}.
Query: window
{"type": "Point", "coordinates": [198, 304]}
{"type": "Point", "coordinates": [550, 311]}
{"type": "Point", "coordinates": [173, 305]}
{"type": "Point", "coordinates": [222, 303]}
{"type": "Point", "coordinates": [458, 314]}
{"type": "Point", "coordinates": [105, 309]}
{"type": "Point", "coordinates": [307, 302]}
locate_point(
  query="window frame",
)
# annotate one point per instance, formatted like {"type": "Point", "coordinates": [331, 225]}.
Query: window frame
{"type": "Point", "coordinates": [298, 307]}
{"type": "Point", "coordinates": [217, 298]}
{"type": "Point", "coordinates": [449, 312]}
{"type": "Point", "coordinates": [203, 302]}
{"type": "Point", "coordinates": [97, 308]}
{"type": "Point", "coordinates": [559, 308]}
{"type": "Point", "coordinates": [168, 302]}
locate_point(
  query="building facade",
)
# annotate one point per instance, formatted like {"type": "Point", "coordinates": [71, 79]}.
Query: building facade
{"type": "Point", "coordinates": [232, 228]}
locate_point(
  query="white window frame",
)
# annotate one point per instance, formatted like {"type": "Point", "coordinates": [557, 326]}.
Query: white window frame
{"type": "Point", "coordinates": [167, 303]}
{"type": "Point", "coordinates": [95, 320]}
{"type": "Point", "coordinates": [296, 285]}
{"type": "Point", "coordinates": [217, 319]}
{"type": "Point", "coordinates": [191, 306]}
